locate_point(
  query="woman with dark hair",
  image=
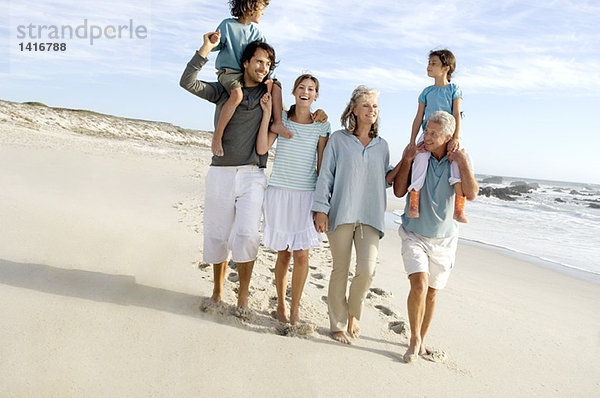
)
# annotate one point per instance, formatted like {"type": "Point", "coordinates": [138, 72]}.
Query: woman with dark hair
{"type": "Point", "coordinates": [288, 226]}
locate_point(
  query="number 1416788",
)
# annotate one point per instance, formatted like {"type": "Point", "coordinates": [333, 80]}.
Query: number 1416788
{"type": "Point", "coordinates": [43, 46]}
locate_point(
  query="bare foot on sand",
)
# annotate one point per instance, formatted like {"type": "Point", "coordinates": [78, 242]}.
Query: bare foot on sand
{"type": "Point", "coordinates": [353, 329]}
{"type": "Point", "coordinates": [281, 315]}
{"type": "Point", "coordinates": [411, 354]}
{"type": "Point", "coordinates": [341, 337]}
{"type": "Point", "coordinates": [216, 297]}
{"type": "Point", "coordinates": [295, 319]}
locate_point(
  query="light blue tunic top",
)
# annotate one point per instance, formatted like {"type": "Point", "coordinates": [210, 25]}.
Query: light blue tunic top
{"type": "Point", "coordinates": [235, 37]}
{"type": "Point", "coordinates": [438, 99]}
{"type": "Point", "coordinates": [351, 185]}
{"type": "Point", "coordinates": [436, 203]}
{"type": "Point", "coordinates": [295, 164]}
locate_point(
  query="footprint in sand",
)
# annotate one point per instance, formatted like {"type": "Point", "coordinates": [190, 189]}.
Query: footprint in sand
{"type": "Point", "coordinates": [318, 275]}
{"type": "Point", "coordinates": [302, 330]}
{"type": "Point", "coordinates": [435, 355]}
{"type": "Point", "coordinates": [203, 266]}
{"type": "Point", "coordinates": [233, 277]}
{"type": "Point", "coordinates": [232, 265]}
{"type": "Point", "coordinates": [324, 298]}
{"type": "Point", "coordinates": [399, 327]}
{"type": "Point", "coordinates": [310, 266]}
{"type": "Point", "coordinates": [318, 286]}
{"type": "Point", "coordinates": [380, 292]}
{"type": "Point", "coordinates": [385, 310]}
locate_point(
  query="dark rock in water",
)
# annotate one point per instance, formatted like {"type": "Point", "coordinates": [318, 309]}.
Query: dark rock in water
{"type": "Point", "coordinates": [492, 180]}
{"type": "Point", "coordinates": [574, 192]}
{"type": "Point", "coordinates": [559, 200]}
{"type": "Point", "coordinates": [594, 206]}
{"type": "Point", "coordinates": [500, 193]}
{"type": "Point", "coordinates": [517, 183]}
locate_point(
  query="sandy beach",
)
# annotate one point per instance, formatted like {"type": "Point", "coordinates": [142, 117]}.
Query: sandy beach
{"type": "Point", "coordinates": [102, 283]}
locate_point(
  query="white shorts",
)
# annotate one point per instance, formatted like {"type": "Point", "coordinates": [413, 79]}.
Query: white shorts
{"type": "Point", "coordinates": [232, 209]}
{"type": "Point", "coordinates": [288, 223]}
{"type": "Point", "coordinates": [434, 256]}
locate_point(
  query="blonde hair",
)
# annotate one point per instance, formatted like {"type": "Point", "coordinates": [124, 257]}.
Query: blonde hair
{"type": "Point", "coordinates": [348, 118]}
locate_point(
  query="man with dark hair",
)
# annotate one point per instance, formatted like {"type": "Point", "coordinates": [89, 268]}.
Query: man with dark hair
{"type": "Point", "coordinates": [235, 182]}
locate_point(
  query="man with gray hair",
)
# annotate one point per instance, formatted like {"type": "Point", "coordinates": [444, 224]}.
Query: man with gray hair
{"type": "Point", "coordinates": [429, 242]}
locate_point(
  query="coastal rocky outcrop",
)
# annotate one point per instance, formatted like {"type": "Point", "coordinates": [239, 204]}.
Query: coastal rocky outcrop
{"type": "Point", "coordinates": [508, 193]}
{"type": "Point", "coordinates": [492, 180]}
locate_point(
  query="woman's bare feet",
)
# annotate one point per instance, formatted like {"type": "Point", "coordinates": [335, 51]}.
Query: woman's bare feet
{"type": "Point", "coordinates": [281, 314]}
{"type": "Point", "coordinates": [341, 337]}
{"type": "Point", "coordinates": [353, 329]}
{"type": "Point", "coordinates": [295, 318]}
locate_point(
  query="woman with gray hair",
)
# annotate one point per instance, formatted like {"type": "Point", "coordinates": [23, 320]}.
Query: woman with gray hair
{"type": "Point", "coordinates": [349, 205]}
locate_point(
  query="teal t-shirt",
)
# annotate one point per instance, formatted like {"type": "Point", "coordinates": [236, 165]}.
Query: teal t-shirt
{"type": "Point", "coordinates": [436, 203]}
{"type": "Point", "coordinates": [234, 39]}
{"type": "Point", "coordinates": [439, 99]}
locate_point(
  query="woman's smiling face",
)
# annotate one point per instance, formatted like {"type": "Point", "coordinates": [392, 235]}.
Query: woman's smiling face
{"type": "Point", "coordinates": [306, 92]}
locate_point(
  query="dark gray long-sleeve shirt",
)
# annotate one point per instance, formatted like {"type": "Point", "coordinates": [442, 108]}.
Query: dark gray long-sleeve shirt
{"type": "Point", "coordinates": [239, 138]}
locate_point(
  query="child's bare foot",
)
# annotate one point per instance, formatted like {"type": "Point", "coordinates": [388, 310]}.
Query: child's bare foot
{"type": "Point", "coordinates": [269, 84]}
{"type": "Point", "coordinates": [217, 147]}
{"type": "Point", "coordinates": [279, 128]}
{"type": "Point", "coordinates": [460, 217]}
{"type": "Point", "coordinates": [341, 337]}
{"type": "Point", "coordinates": [413, 211]}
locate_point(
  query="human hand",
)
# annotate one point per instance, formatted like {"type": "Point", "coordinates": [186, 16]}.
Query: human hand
{"type": "Point", "coordinates": [411, 150]}
{"type": "Point", "coordinates": [458, 156]}
{"type": "Point", "coordinates": [453, 145]}
{"type": "Point", "coordinates": [266, 103]}
{"type": "Point", "coordinates": [320, 219]}
{"type": "Point", "coordinates": [319, 116]}
{"type": "Point", "coordinates": [212, 39]}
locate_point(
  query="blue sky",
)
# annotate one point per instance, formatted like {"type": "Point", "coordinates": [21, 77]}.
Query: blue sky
{"type": "Point", "coordinates": [529, 70]}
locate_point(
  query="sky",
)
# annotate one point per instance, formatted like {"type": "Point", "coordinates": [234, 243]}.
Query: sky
{"type": "Point", "coordinates": [529, 70]}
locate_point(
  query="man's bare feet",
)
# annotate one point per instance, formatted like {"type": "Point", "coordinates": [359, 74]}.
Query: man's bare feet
{"type": "Point", "coordinates": [341, 337]}
{"type": "Point", "coordinates": [217, 147]}
{"type": "Point", "coordinates": [279, 128]}
{"type": "Point", "coordinates": [281, 314]}
{"type": "Point", "coordinates": [353, 329]}
{"type": "Point", "coordinates": [411, 354]}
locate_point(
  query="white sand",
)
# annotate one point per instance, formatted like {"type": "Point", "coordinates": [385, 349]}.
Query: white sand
{"type": "Point", "coordinates": [100, 243]}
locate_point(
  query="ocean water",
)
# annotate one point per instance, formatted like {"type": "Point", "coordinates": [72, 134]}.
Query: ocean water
{"type": "Point", "coordinates": [553, 224]}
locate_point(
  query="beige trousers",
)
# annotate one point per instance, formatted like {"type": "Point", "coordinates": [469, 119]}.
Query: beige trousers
{"type": "Point", "coordinates": [366, 245]}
